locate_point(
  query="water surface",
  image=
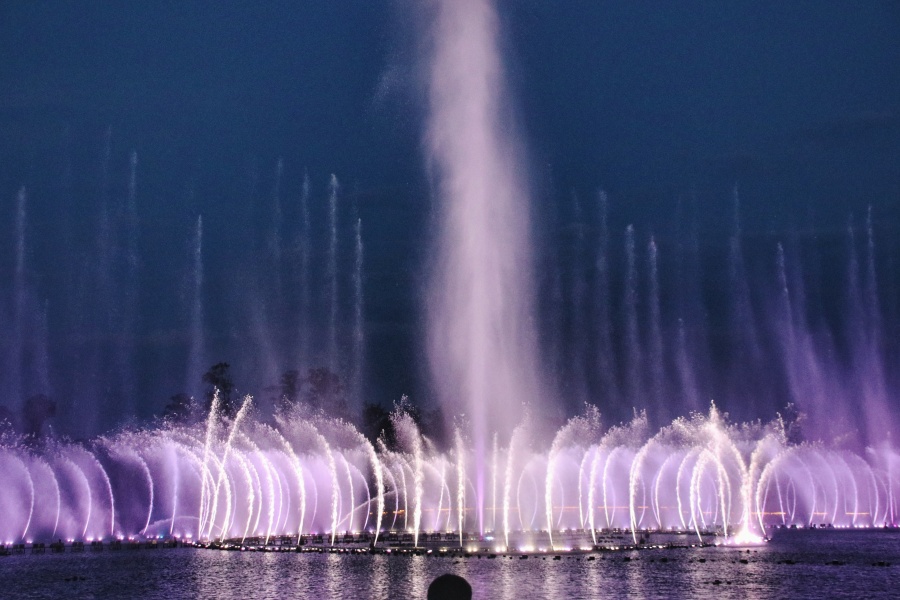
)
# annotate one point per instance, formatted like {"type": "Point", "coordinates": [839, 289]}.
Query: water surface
{"type": "Point", "coordinates": [833, 564]}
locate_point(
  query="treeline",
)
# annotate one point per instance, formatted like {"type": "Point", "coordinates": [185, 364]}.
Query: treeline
{"type": "Point", "coordinates": [318, 389]}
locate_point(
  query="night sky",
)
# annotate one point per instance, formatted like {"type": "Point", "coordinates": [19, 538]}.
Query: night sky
{"type": "Point", "coordinates": [662, 104]}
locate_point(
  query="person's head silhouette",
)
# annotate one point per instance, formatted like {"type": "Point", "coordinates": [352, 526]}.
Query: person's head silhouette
{"type": "Point", "coordinates": [449, 587]}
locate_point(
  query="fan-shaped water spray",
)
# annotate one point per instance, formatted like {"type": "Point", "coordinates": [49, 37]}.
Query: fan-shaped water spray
{"type": "Point", "coordinates": [241, 477]}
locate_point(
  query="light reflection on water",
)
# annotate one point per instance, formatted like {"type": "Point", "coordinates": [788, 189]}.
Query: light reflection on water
{"type": "Point", "coordinates": [380, 577]}
{"type": "Point", "coordinates": [593, 581]}
{"type": "Point", "coordinates": [188, 573]}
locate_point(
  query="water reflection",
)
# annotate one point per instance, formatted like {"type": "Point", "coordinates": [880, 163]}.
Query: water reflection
{"type": "Point", "coordinates": [380, 578]}
{"type": "Point", "coordinates": [417, 576]}
{"type": "Point", "coordinates": [335, 576]}
{"type": "Point", "coordinates": [507, 581]}
{"type": "Point", "coordinates": [796, 565]}
{"type": "Point", "coordinates": [593, 580]}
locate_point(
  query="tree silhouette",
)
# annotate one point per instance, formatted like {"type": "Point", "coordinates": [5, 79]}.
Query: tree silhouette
{"type": "Point", "coordinates": [219, 378]}
{"type": "Point", "coordinates": [320, 389]}
{"type": "Point", "coordinates": [181, 409]}
{"type": "Point", "coordinates": [377, 421]}
{"type": "Point", "coordinates": [323, 390]}
{"type": "Point", "coordinates": [37, 410]}
{"type": "Point", "coordinates": [290, 385]}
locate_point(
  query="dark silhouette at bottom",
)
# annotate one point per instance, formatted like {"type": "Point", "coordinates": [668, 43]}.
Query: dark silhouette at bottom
{"type": "Point", "coordinates": [449, 587]}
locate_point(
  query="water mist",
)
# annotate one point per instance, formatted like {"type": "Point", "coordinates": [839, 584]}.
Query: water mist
{"type": "Point", "coordinates": [480, 331]}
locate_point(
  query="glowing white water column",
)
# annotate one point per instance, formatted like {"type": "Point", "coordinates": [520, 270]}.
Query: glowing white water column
{"type": "Point", "coordinates": [481, 336]}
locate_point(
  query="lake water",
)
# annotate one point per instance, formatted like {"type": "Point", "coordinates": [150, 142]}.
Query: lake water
{"type": "Point", "coordinates": [832, 564]}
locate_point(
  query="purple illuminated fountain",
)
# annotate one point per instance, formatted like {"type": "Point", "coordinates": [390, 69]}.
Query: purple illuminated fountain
{"type": "Point", "coordinates": [506, 481]}
{"type": "Point", "coordinates": [234, 479]}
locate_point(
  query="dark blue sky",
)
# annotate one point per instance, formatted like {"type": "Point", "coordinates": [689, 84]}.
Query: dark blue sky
{"type": "Point", "coordinates": [796, 102]}
{"type": "Point", "coordinates": [623, 94]}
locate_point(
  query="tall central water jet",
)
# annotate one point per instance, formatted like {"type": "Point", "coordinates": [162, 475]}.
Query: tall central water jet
{"type": "Point", "coordinates": [480, 302]}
